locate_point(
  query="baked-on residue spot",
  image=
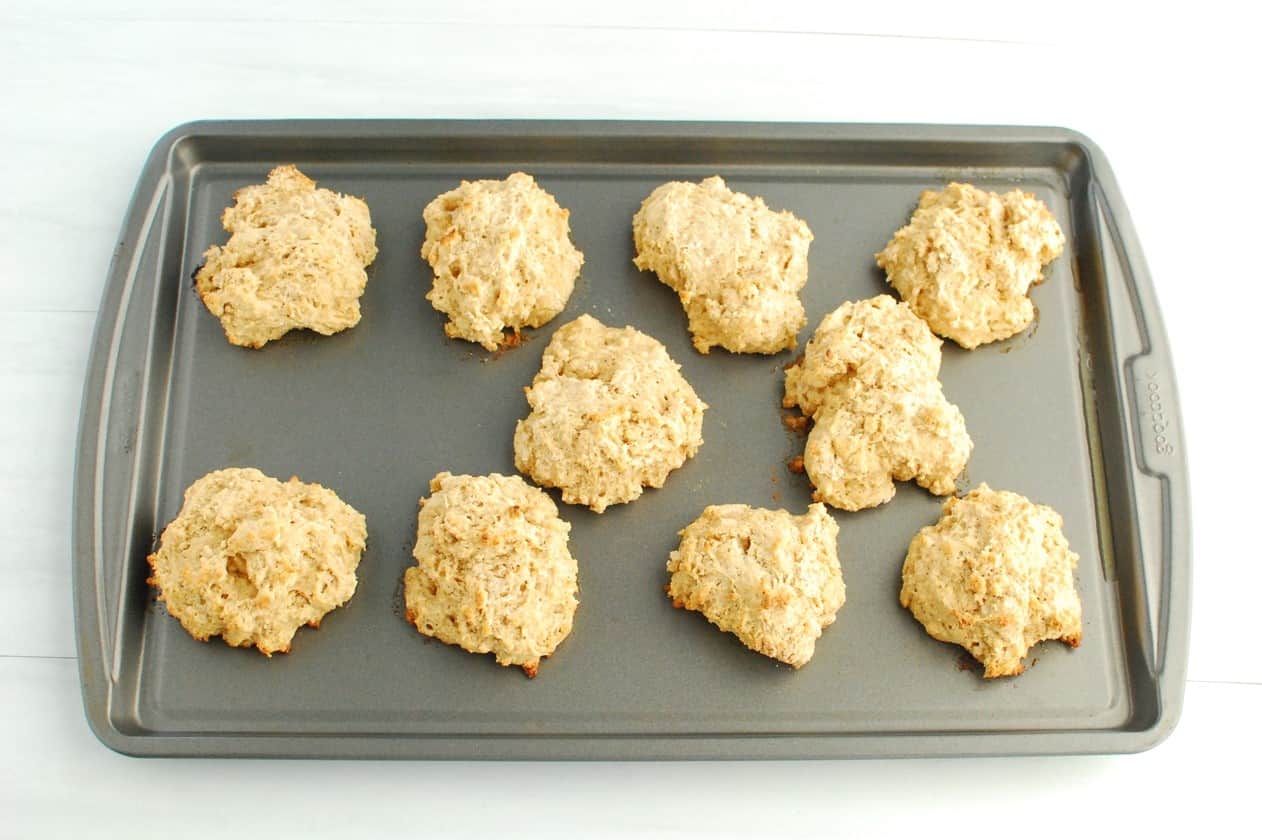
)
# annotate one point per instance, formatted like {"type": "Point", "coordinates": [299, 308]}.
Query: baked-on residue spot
{"type": "Point", "coordinates": [610, 415]}
{"type": "Point", "coordinates": [770, 578]}
{"type": "Point", "coordinates": [968, 258]}
{"type": "Point", "coordinates": [736, 264]}
{"type": "Point", "coordinates": [295, 260]}
{"type": "Point", "coordinates": [252, 559]}
{"type": "Point", "coordinates": [869, 380]}
{"type": "Point", "coordinates": [493, 572]}
{"type": "Point", "coordinates": [796, 423]}
{"type": "Point", "coordinates": [501, 256]}
{"type": "Point", "coordinates": [994, 575]}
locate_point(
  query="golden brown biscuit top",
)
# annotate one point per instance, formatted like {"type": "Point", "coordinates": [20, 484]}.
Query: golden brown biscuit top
{"type": "Point", "coordinates": [295, 260]}
{"type": "Point", "coordinates": [995, 575]}
{"type": "Point", "coordinates": [501, 255]}
{"type": "Point", "coordinates": [253, 559]}
{"type": "Point", "coordinates": [770, 578]}
{"type": "Point", "coordinates": [736, 264]}
{"type": "Point", "coordinates": [967, 259]}
{"type": "Point", "coordinates": [611, 413]}
{"type": "Point", "coordinates": [493, 572]}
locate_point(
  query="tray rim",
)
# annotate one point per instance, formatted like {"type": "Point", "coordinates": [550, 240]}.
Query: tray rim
{"type": "Point", "coordinates": [1167, 663]}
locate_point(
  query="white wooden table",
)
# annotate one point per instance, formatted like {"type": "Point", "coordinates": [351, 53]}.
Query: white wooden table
{"type": "Point", "coordinates": [84, 91]}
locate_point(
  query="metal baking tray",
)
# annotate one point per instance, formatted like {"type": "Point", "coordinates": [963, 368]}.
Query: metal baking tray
{"type": "Point", "coordinates": [1080, 412]}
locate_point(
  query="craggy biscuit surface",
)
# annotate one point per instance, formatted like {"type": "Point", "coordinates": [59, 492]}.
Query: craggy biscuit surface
{"type": "Point", "coordinates": [967, 259]}
{"type": "Point", "coordinates": [295, 260]}
{"type": "Point", "coordinates": [994, 575]}
{"type": "Point", "coordinates": [501, 255]}
{"type": "Point", "coordinates": [877, 436]}
{"type": "Point", "coordinates": [610, 415]}
{"type": "Point", "coordinates": [876, 343]}
{"type": "Point", "coordinates": [770, 578]}
{"type": "Point", "coordinates": [736, 264]}
{"type": "Point", "coordinates": [252, 559]}
{"type": "Point", "coordinates": [869, 381]}
{"type": "Point", "coordinates": [493, 572]}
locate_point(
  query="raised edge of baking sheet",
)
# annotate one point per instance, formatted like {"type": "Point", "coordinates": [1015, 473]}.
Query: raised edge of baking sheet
{"type": "Point", "coordinates": [1080, 412]}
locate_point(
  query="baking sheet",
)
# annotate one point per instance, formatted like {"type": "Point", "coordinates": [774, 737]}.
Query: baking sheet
{"type": "Point", "coordinates": [1079, 413]}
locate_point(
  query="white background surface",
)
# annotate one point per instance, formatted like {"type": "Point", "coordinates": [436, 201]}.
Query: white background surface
{"type": "Point", "coordinates": [85, 90]}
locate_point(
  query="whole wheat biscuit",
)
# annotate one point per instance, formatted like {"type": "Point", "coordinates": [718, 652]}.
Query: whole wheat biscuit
{"type": "Point", "coordinates": [736, 264]}
{"type": "Point", "coordinates": [770, 578]}
{"type": "Point", "coordinates": [967, 259]}
{"type": "Point", "coordinates": [295, 260]}
{"type": "Point", "coordinates": [869, 381]}
{"type": "Point", "coordinates": [610, 415]}
{"type": "Point", "coordinates": [493, 572]}
{"type": "Point", "coordinates": [994, 575]}
{"type": "Point", "coordinates": [252, 559]}
{"type": "Point", "coordinates": [501, 256]}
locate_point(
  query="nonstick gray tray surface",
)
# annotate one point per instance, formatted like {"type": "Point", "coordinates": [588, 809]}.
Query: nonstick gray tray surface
{"type": "Point", "coordinates": [1079, 413]}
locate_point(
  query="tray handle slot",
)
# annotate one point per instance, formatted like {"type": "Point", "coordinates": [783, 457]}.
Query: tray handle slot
{"type": "Point", "coordinates": [1156, 477]}
{"type": "Point", "coordinates": [115, 430]}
